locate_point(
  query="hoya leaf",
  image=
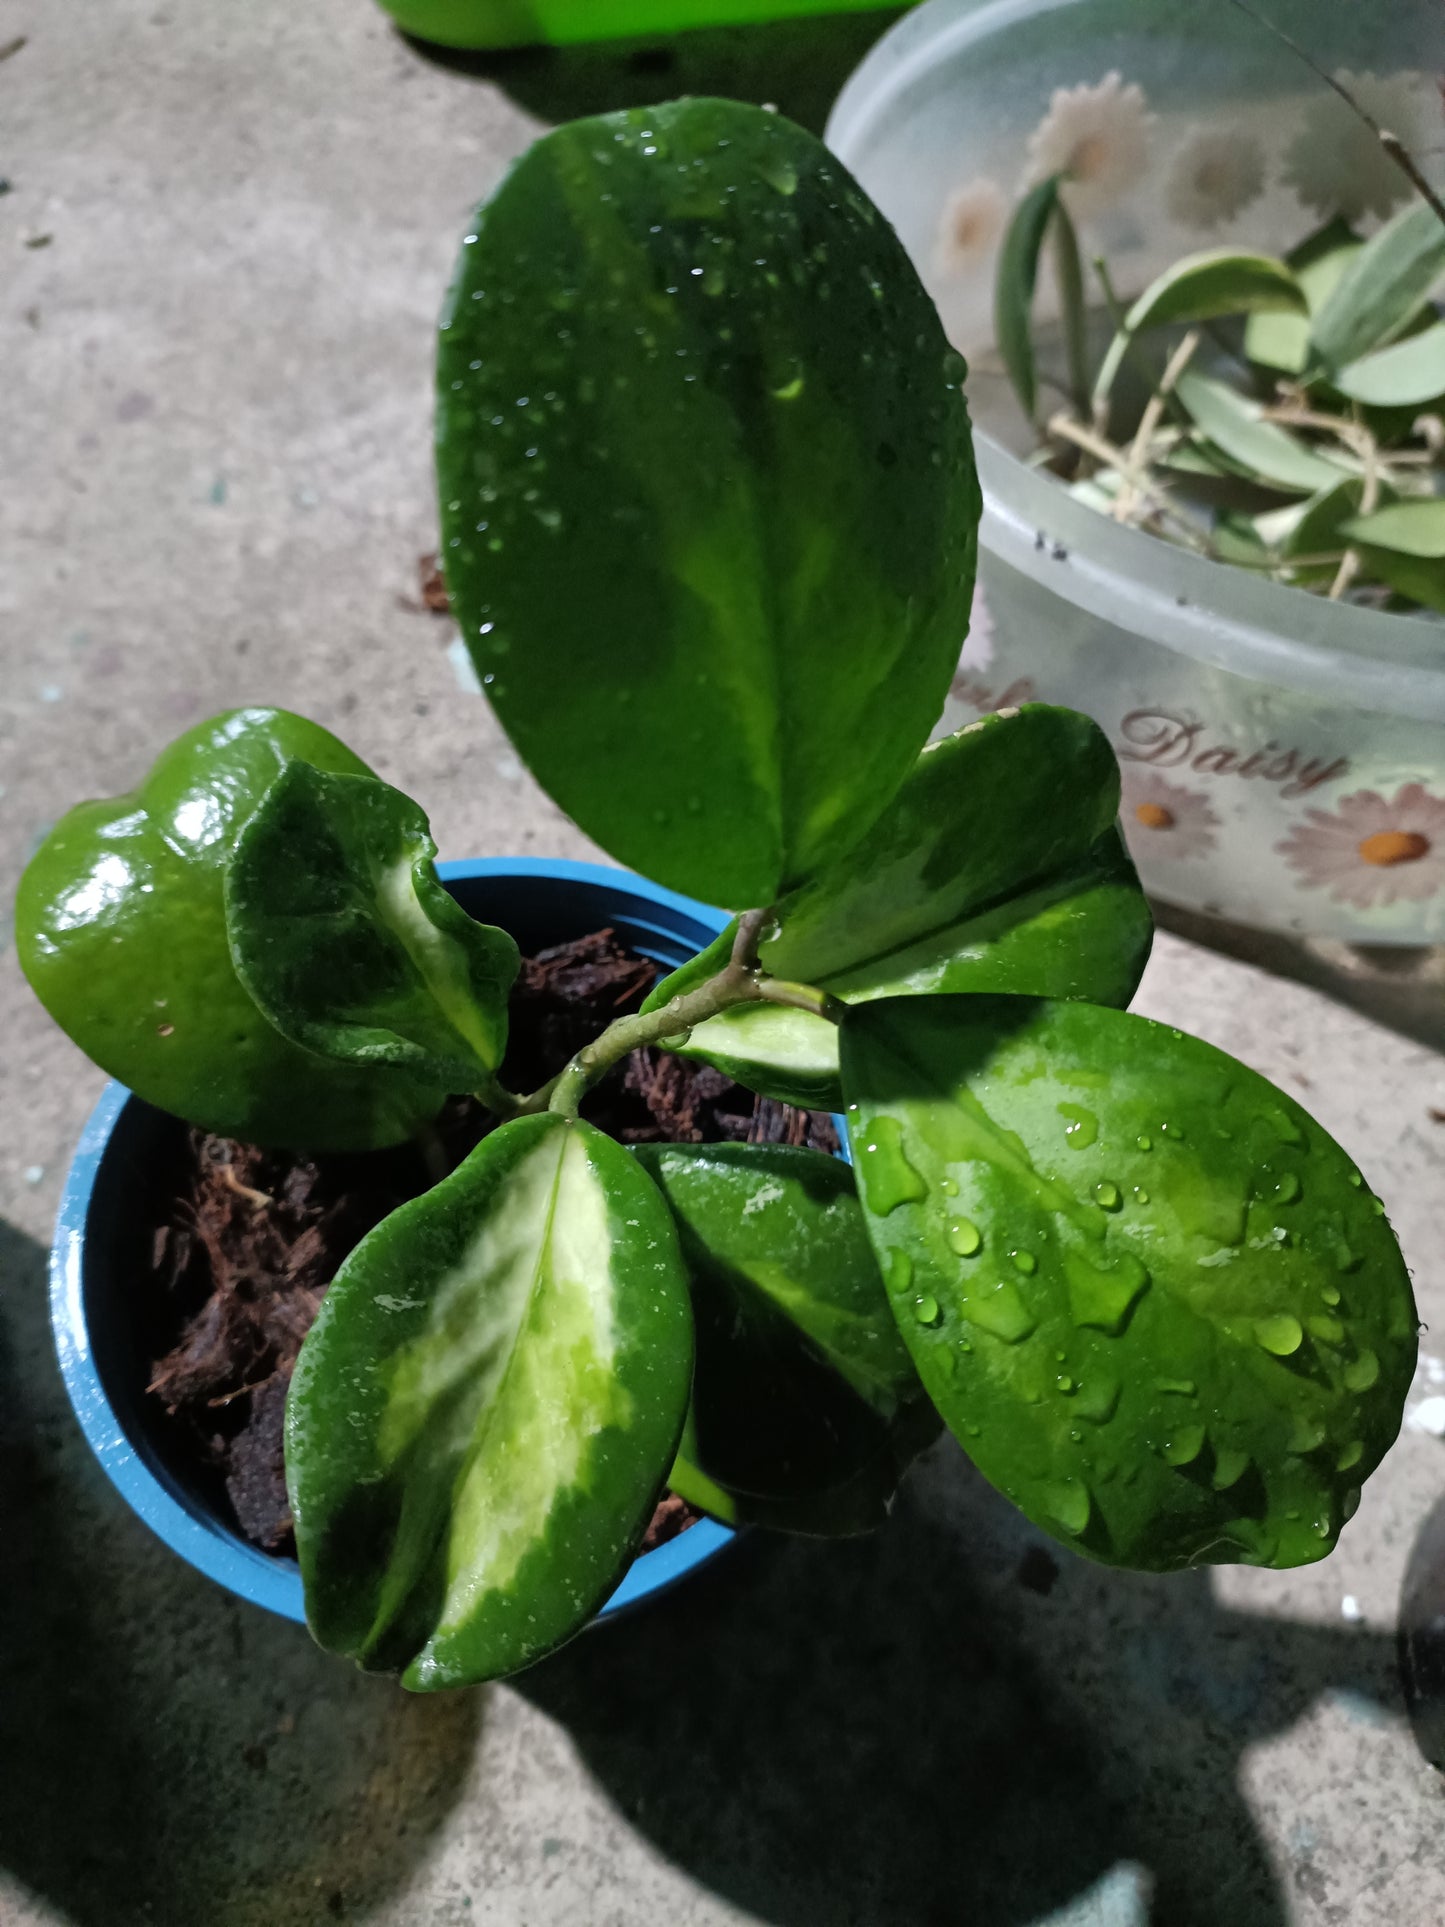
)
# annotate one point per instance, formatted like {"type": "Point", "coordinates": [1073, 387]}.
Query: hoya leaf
{"type": "Point", "coordinates": [707, 487]}
{"type": "Point", "coordinates": [1014, 286]}
{"type": "Point", "coordinates": [486, 1408]}
{"type": "Point", "coordinates": [1236, 539]}
{"type": "Point", "coordinates": [1415, 528]}
{"type": "Point", "coordinates": [1320, 530]}
{"type": "Point", "coordinates": [120, 925]}
{"type": "Point", "coordinates": [1282, 341]}
{"type": "Point", "coordinates": [1410, 373]}
{"type": "Point", "coordinates": [1266, 451]}
{"type": "Point", "coordinates": [1152, 1298]}
{"type": "Point", "coordinates": [1380, 291]}
{"type": "Point", "coordinates": [805, 1404]}
{"type": "Point", "coordinates": [996, 867]}
{"type": "Point", "coordinates": [1418, 579]}
{"type": "Point", "coordinates": [342, 933]}
{"type": "Point", "coordinates": [1220, 281]}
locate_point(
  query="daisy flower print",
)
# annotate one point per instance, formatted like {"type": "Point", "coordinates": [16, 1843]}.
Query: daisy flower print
{"type": "Point", "coordinates": [1162, 819]}
{"type": "Point", "coordinates": [1097, 138]}
{"type": "Point", "coordinates": [1372, 851]}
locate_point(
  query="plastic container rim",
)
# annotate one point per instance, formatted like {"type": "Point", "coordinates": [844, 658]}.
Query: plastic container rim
{"type": "Point", "coordinates": [1202, 609]}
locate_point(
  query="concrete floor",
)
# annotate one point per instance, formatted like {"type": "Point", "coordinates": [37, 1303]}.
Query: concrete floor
{"type": "Point", "coordinates": [224, 242]}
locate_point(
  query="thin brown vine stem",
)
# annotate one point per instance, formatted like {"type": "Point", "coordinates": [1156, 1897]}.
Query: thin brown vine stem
{"type": "Point", "coordinates": [1353, 561]}
{"type": "Point", "coordinates": [751, 925]}
{"type": "Point", "coordinates": [738, 982]}
{"type": "Point", "coordinates": [1153, 414]}
{"type": "Point", "coordinates": [1105, 453]}
{"type": "Point", "coordinates": [1392, 144]}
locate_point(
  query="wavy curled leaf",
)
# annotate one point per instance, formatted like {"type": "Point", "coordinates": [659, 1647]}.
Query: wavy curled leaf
{"type": "Point", "coordinates": [120, 925]}
{"type": "Point", "coordinates": [805, 1406]}
{"type": "Point", "coordinates": [707, 486]}
{"type": "Point", "coordinates": [1219, 281]}
{"type": "Point", "coordinates": [486, 1408]}
{"type": "Point", "coordinates": [995, 868]}
{"type": "Point", "coordinates": [1380, 291]}
{"type": "Point", "coordinates": [1150, 1296]}
{"type": "Point", "coordinates": [343, 934]}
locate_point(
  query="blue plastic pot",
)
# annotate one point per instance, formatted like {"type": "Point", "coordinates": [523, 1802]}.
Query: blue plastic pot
{"type": "Point", "coordinates": [100, 1237]}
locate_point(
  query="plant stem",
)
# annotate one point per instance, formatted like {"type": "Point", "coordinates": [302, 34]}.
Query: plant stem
{"type": "Point", "coordinates": [1149, 421]}
{"type": "Point", "coordinates": [740, 981]}
{"type": "Point", "coordinates": [1108, 456]}
{"type": "Point", "coordinates": [1392, 144]}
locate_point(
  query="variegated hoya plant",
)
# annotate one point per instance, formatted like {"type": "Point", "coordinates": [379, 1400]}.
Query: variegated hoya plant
{"type": "Point", "coordinates": [710, 514]}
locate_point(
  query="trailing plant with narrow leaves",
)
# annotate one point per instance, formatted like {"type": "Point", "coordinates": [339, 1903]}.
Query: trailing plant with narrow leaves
{"type": "Point", "coordinates": [710, 511]}
{"type": "Point", "coordinates": [1286, 416]}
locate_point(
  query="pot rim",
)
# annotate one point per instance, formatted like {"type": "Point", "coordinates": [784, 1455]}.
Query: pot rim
{"type": "Point", "coordinates": [179, 1517]}
{"type": "Point", "coordinates": [1187, 603]}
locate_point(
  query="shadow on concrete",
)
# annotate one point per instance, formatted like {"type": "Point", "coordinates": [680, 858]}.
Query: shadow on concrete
{"type": "Point", "coordinates": [949, 1722]}
{"type": "Point", "coordinates": [1399, 986]}
{"type": "Point", "coordinates": [797, 65]}
{"type": "Point", "coordinates": [170, 1755]}
{"type": "Point", "coordinates": [1422, 1637]}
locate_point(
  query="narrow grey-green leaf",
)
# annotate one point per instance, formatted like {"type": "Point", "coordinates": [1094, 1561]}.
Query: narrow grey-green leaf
{"type": "Point", "coordinates": [1415, 578]}
{"type": "Point", "coordinates": [805, 1404]}
{"type": "Point", "coordinates": [1220, 281]}
{"type": "Point", "coordinates": [1405, 376]}
{"type": "Point", "coordinates": [996, 867]}
{"type": "Point", "coordinates": [707, 486]}
{"type": "Point", "coordinates": [342, 933]}
{"type": "Point", "coordinates": [1282, 341]}
{"type": "Point", "coordinates": [1014, 286]}
{"type": "Point", "coordinates": [1152, 1298]}
{"type": "Point", "coordinates": [1266, 451]}
{"type": "Point", "coordinates": [1321, 531]}
{"type": "Point", "coordinates": [1415, 527]}
{"type": "Point", "coordinates": [486, 1408]}
{"type": "Point", "coordinates": [1381, 289]}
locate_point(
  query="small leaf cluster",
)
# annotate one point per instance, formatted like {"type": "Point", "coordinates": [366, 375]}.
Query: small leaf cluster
{"type": "Point", "coordinates": [710, 519]}
{"type": "Point", "coordinates": [1283, 416]}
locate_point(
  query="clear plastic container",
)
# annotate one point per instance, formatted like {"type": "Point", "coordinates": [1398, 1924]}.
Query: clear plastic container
{"type": "Point", "coordinates": [1283, 756]}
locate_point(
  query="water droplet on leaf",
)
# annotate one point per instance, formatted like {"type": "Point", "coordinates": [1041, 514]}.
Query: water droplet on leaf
{"type": "Point", "coordinates": [888, 1178]}
{"type": "Point", "coordinates": [1104, 1299]}
{"type": "Point", "coordinates": [1081, 1128]}
{"type": "Point", "coordinates": [1282, 1335]}
{"type": "Point", "coordinates": [1362, 1372]}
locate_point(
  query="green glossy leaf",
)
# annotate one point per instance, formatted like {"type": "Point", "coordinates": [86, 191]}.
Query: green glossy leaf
{"type": "Point", "coordinates": [1405, 376]}
{"type": "Point", "coordinates": [1014, 286]}
{"type": "Point", "coordinates": [120, 926]}
{"type": "Point", "coordinates": [1172, 1322]}
{"type": "Point", "coordinates": [344, 936]}
{"type": "Point", "coordinates": [996, 867]}
{"type": "Point", "coordinates": [486, 1408]}
{"type": "Point", "coordinates": [1380, 291]}
{"type": "Point", "coordinates": [1321, 530]}
{"type": "Point", "coordinates": [1418, 579]}
{"type": "Point", "coordinates": [805, 1405]}
{"type": "Point", "coordinates": [1265, 450]}
{"type": "Point", "coordinates": [1282, 341]}
{"type": "Point", "coordinates": [1220, 281]}
{"type": "Point", "coordinates": [1236, 539]}
{"type": "Point", "coordinates": [707, 487]}
{"type": "Point", "coordinates": [1415, 528]}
